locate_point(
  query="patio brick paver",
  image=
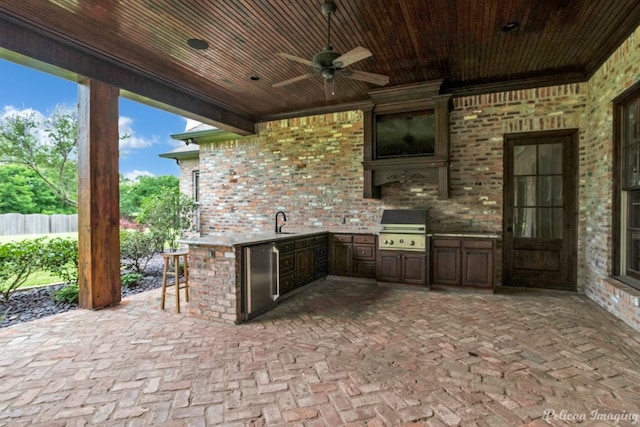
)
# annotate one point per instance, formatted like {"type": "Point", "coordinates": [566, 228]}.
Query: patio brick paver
{"type": "Point", "coordinates": [338, 353]}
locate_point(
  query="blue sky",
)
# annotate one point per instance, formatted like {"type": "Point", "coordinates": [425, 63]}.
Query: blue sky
{"type": "Point", "coordinates": [23, 88]}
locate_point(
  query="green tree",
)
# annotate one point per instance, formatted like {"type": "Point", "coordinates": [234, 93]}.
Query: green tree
{"type": "Point", "coordinates": [22, 191]}
{"type": "Point", "coordinates": [167, 215]}
{"type": "Point", "coordinates": [134, 192]}
{"type": "Point", "coordinates": [46, 146]}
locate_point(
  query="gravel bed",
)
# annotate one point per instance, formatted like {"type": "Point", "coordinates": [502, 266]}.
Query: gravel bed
{"type": "Point", "coordinates": [24, 306]}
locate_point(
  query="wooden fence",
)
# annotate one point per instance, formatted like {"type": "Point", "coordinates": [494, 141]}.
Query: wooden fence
{"type": "Point", "coordinates": [13, 224]}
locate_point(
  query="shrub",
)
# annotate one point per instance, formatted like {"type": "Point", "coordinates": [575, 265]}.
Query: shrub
{"type": "Point", "coordinates": [137, 248]}
{"type": "Point", "coordinates": [125, 224]}
{"type": "Point", "coordinates": [167, 215]}
{"type": "Point", "coordinates": [17, 261]}
{"type": "Point", "coordinates": [60, 258]}
{"type": "Point", "coordinates": [130, 279]}
{"type": "Point", "coordinates": [68, 293]}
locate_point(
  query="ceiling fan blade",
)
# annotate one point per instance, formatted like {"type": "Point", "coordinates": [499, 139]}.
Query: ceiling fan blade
{"type": "Point", "coordinates": [293, 80]}
{"type": "Point", "coordinates": [377, 79]}
{"type": "Point", "coordinates": [329, 88]}
{"type": "Point", "coordinates": [296, 58]}
{"type": "Point", "coordinates": [354, 55]}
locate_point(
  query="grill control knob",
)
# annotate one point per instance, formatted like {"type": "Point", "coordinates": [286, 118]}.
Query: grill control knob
{"type": "Point", "coordinates": [412, 243]}
{"type": "Point", "coordinates": [401, 240]}
{"type": "Point", "coordinates": [388, 242]}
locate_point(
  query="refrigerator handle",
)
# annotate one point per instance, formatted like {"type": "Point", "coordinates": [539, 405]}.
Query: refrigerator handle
{"type": "Point", "coordinates": [276, 260]}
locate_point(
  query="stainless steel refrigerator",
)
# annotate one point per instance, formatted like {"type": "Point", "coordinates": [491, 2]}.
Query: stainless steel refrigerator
{"type": "Point", "coordinates": [262, 282]}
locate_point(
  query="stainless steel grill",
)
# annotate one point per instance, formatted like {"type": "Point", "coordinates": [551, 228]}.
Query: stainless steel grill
{"type": "Point", "coordinates": [403, 229]}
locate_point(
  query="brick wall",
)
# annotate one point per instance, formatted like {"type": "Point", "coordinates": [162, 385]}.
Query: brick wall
{"type": "Point", "coordinates": [618, 73]}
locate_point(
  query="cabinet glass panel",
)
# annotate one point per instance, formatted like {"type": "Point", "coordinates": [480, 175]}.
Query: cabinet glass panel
{"type": "Point", "coordinates": [524, 160]}
{"type": "Point", "coordinates": [550, 191]}
{"type": "Point", "coordinates": [550, 159]}
{"type": "Point", "coordinates": [524, 191]}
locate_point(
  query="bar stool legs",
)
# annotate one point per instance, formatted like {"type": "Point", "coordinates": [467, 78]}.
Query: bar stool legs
{"type": "Point", "coordinates": [172, 259]}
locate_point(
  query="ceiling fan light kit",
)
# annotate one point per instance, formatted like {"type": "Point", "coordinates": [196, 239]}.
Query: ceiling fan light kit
{"type": "Point", "coordinates": [328, 63]}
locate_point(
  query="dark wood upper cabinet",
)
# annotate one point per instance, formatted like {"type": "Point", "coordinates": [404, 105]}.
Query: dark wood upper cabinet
{"type": "Point", "coordinates": [406, 137]}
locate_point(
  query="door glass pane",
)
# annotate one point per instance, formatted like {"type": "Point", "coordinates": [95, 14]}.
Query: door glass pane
{"type": "Point", "coordinates": [631, 166]}
{"type": "Point", "coordinates": [524, 160]}
{"type": "Point", "coordinates": [550, 191]}
{"type": "Point", "coordinates": [549, 224]}
{"type": "Point", "coordinates": [634, 210]}
{"type": "Point", "coordinates": [631, 128]}
{"type": "Point", "coordinates": [633, 254]}
{"type": "Point", "coordinates": [524, 191]}
{"type": "Point", "coordinates": [550, 159]}
{"type": "Point", "coordinates": [524, 222]}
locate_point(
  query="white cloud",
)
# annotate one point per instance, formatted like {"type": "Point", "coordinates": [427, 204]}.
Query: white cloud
{"type": "Point", "coordinates": [133, 142]}
{"type": "Point", "coordinates": [135, 174]}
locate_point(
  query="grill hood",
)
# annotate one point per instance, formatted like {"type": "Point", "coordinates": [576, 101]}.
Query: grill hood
{"type": "Point", "coordinates": [405, 217]}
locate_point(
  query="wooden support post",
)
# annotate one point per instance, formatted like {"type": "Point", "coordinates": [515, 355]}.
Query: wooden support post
{"type": "Point", "coordinates": [98, 195]}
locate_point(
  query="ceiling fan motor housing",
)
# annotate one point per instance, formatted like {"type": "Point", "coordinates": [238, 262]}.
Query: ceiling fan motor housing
{"type": "Point", "coordinates": [329, 8]}
{"type": "Point", "coordinates": [325, 59]}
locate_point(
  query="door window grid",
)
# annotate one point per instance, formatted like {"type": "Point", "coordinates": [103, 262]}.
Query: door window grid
{"type": "Point", "coordinates": [538, 199]}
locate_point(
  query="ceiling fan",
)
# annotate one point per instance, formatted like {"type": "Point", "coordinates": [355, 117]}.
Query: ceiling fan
{"type": "Point", "coordinates": [330, 63]}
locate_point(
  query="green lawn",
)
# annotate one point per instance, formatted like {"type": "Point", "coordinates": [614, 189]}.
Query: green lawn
{"type": "Point", "coordinates": [20, 237]}
{"type": "Point", "coordinates": [39, 278]}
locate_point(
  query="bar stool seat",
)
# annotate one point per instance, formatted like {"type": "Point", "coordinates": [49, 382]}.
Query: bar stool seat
{"type": "Point", "coordinates": [172, 268]}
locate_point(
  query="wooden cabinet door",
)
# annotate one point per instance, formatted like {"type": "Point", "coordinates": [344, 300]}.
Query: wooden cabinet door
{"type": "Point", "coordinates": [446, 261]}
{"type": "Point", "coordinates": [414, 268]}
{"type": "Point", "coordinates": [389, 266]}
{"type": "Point", "coordinates": [477, 263]}
{"type": "Point", "coordinates": [340, 258]}
{"type": "Point", "coordinates": [304, 266]}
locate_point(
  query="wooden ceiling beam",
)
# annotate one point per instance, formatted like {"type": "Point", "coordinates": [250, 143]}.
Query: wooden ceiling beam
{"type": "Point", "coordinates": [25, 41]}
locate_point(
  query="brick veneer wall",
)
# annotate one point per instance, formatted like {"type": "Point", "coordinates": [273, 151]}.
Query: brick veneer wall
{"type": "Point", "coordinates": [213, 294]}
{"type": "Point", "coordinates": [311, 168]}
{"type": "Point", "coordinates": [618, 73]}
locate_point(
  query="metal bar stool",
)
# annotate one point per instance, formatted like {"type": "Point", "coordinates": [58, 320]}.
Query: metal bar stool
{"type": "Point", "coordinates": [172, 259]}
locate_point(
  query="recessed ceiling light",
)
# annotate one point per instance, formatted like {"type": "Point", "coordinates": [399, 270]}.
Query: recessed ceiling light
{"type": "Point", "coordinates": [255, 78]}
{"type": "Point", "coordinates": [510, 27]}
{"type": "Point", "coordinates": [198, 44]}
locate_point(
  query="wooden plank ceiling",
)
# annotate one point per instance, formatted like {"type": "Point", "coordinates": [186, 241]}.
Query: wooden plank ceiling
{"type": "Point", "coordinates": [413, 41]}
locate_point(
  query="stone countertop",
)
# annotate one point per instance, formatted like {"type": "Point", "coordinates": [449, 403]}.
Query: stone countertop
{"type": "Point", "coordinates": [254, 237]}
{"type": "Point", "coordinates": [232, 238]}
{"type": "Point", "coordinates": [466, 234]}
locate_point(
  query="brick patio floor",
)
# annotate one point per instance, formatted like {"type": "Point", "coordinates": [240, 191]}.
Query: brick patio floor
{"type": "Point", "coordinates": [338, 353]}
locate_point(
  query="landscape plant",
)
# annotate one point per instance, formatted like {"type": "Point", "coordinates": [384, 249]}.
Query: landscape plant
{"type": "Point", "coordinates": [137, 248]}
{"type": "Point", "coordinates": [130, 279]}
{"type": "Point", "coordinates": [69, 294]}
{"type": "Point", "coordinates": [60, 258]}
{"type": "Point", "coordinates": [167, 215]}
{"type": "Point", "coordinates": [18, 260]}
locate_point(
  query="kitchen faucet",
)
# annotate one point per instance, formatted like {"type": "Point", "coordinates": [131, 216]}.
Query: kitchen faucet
{"type": "Point", "coordinates": [284, 217]}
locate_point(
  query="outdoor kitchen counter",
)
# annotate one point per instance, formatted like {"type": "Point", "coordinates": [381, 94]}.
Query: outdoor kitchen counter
{"type": "Point", "coordinates": [249, 238]}
{"type": "Point", "coordinates": [233, 238]}
{"type": "Point", "coordinates": [215, 270]}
